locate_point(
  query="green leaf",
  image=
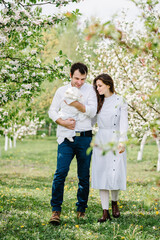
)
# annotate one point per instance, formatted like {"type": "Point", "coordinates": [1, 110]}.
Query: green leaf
{"type": "Point", "coordinates": [89, 150]}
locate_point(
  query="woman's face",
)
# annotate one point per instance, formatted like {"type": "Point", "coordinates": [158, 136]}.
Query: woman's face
{"type": "Point", "coordinates": [102, 88]}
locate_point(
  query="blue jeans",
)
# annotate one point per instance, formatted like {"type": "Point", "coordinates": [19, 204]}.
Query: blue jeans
{"type": "Point", "coordinates": [66, 152]}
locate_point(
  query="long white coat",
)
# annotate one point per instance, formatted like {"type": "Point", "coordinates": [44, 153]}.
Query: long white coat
{"type": "Point", "coordinates": [109, 171]}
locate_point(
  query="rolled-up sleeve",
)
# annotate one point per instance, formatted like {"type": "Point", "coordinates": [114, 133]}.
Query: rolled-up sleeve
{"type": "Point", "coordinates": [123, 122]}
{"type": "Point", "coordinates": [91, 106]}
{"type": "Point", "coordinates": [55, 106]}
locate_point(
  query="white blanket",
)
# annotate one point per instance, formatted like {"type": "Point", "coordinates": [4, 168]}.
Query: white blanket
{"type": "Point", "coordinates": [72, 94]}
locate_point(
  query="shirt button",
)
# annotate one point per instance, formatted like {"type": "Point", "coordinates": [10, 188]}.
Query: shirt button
{"type": "Point", "coordinates": [113, 169]}
{"type": "Point", "coordinates": [116, 115]}
{"type": "Point", "coordinates": [114, 160]}
{"type": "Point", "coordinates": [114, 124]}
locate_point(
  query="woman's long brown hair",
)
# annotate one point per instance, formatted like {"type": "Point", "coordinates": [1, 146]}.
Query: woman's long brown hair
{"type": "Point", "coordinates": [106, 79]}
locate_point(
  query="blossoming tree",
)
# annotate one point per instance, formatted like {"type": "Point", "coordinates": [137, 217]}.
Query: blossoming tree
{"type": "Point", "coordinates": [21, 69]}
{"type": "Point", "coordinates": [133, 60]}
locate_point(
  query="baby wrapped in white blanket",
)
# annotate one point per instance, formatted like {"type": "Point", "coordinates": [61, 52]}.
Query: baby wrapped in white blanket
{"type": "Point", "coordinates": [72, 94]}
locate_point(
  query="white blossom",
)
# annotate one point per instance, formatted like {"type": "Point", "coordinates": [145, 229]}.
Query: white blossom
{"type": "Point", "coordinates": [33, 52]}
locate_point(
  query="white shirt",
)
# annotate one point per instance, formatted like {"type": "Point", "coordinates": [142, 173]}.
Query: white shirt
{"type": "Point", "coordinates": [90, 102]}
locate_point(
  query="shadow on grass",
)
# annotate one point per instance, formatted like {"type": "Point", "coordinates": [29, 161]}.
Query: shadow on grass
{"type": "Point", "coordinates": [28, 218]}
{"type": "Point", "coordinates": [27, 226]}
{"type": "Point", "coordinates": [18, 181]}
{"type": "Point", "coordinates": [133, 213]}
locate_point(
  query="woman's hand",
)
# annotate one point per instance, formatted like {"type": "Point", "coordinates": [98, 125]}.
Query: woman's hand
{"type": "Point", "coordinates": [121, 147]}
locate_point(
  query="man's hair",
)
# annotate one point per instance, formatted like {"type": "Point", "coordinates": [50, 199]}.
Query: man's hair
{"type": "Point", "coordinates": [79, 66]}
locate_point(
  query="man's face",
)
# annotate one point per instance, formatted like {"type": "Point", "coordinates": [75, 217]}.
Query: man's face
{"type": "Point", "coordinates": [78, 79]}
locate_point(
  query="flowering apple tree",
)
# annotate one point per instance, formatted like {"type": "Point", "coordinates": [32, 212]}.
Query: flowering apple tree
{"type": "Point", "coordinates": [21, 68]}
{"type": "Point", "coordinates": [132, 58]}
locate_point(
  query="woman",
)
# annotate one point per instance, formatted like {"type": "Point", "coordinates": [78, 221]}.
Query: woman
{"type": "Point", "coordinates": [109, 170]}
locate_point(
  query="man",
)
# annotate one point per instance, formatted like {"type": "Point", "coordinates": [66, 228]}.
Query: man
{"type": "Point", "coordinates": [67, 149]}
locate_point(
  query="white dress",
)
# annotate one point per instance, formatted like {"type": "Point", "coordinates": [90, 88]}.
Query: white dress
{"type": "Point", "coordinates": [109, 171]}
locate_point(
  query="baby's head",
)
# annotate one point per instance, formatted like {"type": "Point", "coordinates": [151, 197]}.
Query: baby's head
{"type": "Point", "coordinates": [73, 93]}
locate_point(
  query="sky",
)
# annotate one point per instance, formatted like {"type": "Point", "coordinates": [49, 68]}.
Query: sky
{"type": "Point", "coordinates": [102, 9]}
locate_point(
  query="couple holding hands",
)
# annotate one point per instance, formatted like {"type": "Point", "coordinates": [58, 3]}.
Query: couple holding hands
{"type": "Point", "coordinates": [75, 108]}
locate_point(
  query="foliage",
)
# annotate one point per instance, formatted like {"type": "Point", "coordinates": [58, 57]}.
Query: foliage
{"type": "Point", "coordinates": [62, 37]}
{"type": "Point", "coordinates": [26, 177]}
{"type": "Point", "coordinates": [66, 37]}
{"type": "Point", "coordinates": [21, 44]}
{"type": "Point", "coordinates": [132, 58]}
{"type": "Point", "coordinates": [42, 102]}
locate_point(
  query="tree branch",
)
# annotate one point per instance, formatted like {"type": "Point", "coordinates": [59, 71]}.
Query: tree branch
{"type": "Point", "coordinates": [27, 65]}
{"type": "Point", "coordinates": [36, 4]}
{"type": "Point", "coordinates": [5, 4]}
{"type": "Point", "coordinates": [133, 83]}
{"type": "Point", "coordinates": [133, 108]}
{"type": "Point", "coordinates": [153, 108]}
{"type": "Point", "coordinates": [125, 69]}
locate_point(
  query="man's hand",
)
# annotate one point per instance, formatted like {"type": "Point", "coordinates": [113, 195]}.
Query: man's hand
{"type": "Point", "coordinates": [77, 105]}
{"type": "Point", "coordinates": [121, 147]}
{"type": "Point", "coordinates": [68, 123]}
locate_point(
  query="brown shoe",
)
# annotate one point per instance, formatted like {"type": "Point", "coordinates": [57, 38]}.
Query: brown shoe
{"type": "Point", "coordinates": [115, 210]}
{"type": "Point", "coordinates": [55, 219]}
{"type": "Point", "coordinates": [80, 215]}
{"type": "Point", "coordinates": [105, 217]}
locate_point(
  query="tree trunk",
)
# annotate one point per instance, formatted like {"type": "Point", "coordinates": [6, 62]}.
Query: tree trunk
{"type": "Point", "coordinates": [6, 143]}
{"type": "Point", "coordinates": [14, 141]}
{"type": "Point", "coordinates": [50, 129]}
{"type": "Point", "coordinates": [140, 153]}
{"type": "Point", "coordinates": [158, 162]}
{"type": "Point", "coordinates": [10, 143]}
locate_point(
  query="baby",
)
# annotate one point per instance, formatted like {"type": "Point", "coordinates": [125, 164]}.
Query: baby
{"type": "Point", "coordinates": [72, 94]}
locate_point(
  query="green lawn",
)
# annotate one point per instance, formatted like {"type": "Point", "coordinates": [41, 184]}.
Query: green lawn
{"type": "Point", "coordinates": [26, 174]}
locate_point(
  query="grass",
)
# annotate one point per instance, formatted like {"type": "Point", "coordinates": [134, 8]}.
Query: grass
{"type": "Point", "coordinates": [26, 174]}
